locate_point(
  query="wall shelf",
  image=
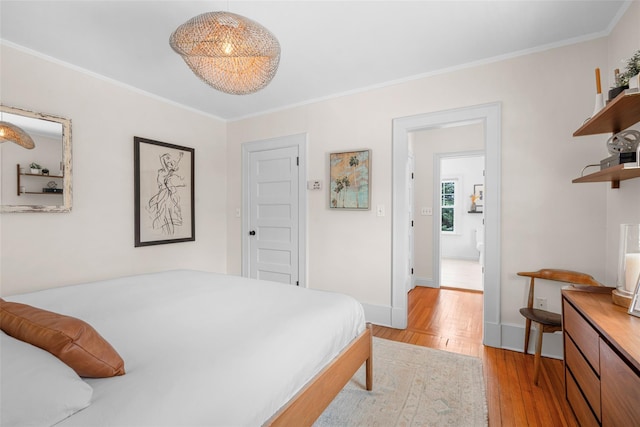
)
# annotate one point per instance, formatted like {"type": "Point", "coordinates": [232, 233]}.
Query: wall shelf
{"type": "Point", "coordinates": [614, 174]}
{"type": "Point", "coordinates": [19, 180]}
{"type": "Point", "coordinates": [617, 115]}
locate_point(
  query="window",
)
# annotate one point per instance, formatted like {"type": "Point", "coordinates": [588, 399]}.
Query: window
{"type": "Point", "coordinates": [448, 205]}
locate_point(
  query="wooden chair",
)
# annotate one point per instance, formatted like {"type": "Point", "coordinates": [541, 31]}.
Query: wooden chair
{"type": "Point", "coordinates": [546, 320]}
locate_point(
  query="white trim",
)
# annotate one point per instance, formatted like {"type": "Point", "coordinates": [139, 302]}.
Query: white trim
{"type": "Point", "coordinates": [513, 339]}
{"type": "Point", "coordinates": [106, 79]}
{"type": "Point", "coordinates": [486, 61]}
{"type": "Point", "coordinates": [300, 141]}
{"type": "Point", "coordinates": [377, 314]}
{"type": "Point", "coordinates": [490, 115]}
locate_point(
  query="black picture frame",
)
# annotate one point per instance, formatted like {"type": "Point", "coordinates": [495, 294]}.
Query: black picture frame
{"type": "Point", "coordinates": [164, 193]}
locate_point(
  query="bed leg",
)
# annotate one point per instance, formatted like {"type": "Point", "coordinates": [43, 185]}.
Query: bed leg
{"type": "Point", "coordinates": [369, 362]}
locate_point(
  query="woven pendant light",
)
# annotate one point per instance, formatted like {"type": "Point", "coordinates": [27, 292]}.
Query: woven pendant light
{"type": "Point", "coordinates": [227, 51]}
{"type": "Point", "coordinates": [12, 133]}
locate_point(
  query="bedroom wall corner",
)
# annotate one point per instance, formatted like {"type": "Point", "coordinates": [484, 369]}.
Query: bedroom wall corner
{"type": "Point", "coordinates": [95, 240]}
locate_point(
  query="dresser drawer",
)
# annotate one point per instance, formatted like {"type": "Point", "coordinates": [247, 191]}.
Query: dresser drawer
{"type": "Point", "coordinates": [585, 337]}
{"type": "Point", "coordinates": [620, 390]}
{"type": "Point", "coordinates": [584, 376]}
{"type": "Point", "coordinates": [580, 407]}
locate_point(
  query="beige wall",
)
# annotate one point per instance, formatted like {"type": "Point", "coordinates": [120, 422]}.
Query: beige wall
{"type": "Point", "coordinates": [546, 220]}
{"type": "Point", "coordinates": [95, 240]}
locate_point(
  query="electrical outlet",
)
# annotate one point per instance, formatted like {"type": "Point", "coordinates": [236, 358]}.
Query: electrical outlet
{"type": "Point", "coordinates": [541, 303]}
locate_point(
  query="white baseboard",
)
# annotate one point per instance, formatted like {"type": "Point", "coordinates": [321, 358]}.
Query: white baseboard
{"type": "Point", "coordinates": [422, 281]}
{"type": "Point", "coordinates": [513, 339]}
{"type": "Point", "coordinates": [377, 314]}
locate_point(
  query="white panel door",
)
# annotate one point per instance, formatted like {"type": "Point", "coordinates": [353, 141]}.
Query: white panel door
{"type": "Point", "coordinates": [273, 215]}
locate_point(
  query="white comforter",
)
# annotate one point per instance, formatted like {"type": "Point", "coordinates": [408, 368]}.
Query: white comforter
{"type": "Point", "coordinates": [203, 349]}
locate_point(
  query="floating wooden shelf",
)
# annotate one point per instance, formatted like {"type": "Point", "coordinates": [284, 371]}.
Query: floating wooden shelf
{"type": "Point", "coordinates": [617, 115]}
{"type": "Point", "coordinates": [615, 174]}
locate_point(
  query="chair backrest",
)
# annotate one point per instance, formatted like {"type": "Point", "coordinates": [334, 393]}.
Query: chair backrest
{"type": "Point", "coordinates": [557, 275]}
{"type": "Point", "coordinates": [566, 276]}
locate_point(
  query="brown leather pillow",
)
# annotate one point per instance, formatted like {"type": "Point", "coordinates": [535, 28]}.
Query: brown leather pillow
{"type": "Point", "coordinates": [73, 341]}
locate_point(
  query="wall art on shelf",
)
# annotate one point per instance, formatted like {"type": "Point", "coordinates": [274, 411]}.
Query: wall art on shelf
{"type": "Point", "coordinates": [350, 178]}
{"type": "Point", "coordinates": [164, 193]}
{"type": "Point", "coordinates": [478, 193]}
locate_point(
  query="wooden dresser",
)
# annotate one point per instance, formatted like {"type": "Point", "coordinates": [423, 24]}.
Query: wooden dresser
{"type": "Point", "coordinates": [602, 358]}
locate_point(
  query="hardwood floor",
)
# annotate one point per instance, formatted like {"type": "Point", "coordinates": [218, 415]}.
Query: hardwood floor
{"type": "Point", "coordinates": [451, 320]}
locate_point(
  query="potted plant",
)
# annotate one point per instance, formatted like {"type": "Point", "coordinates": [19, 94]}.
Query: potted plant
{"type": "Point", "coordinates": [622, 79]}
{"type": "Point", "coordinates": [35, 168]}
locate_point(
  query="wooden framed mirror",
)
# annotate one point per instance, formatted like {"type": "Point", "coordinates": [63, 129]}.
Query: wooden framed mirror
{"type": "Point", "coordinates": [46, 188]}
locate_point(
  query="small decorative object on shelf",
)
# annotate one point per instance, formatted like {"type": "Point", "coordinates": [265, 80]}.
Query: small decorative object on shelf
{"type": "Point", "coordinates": [628, 79]}
{"type": "Point", "coordinates": [474, 198]}
{"type": "Point", "coordinates": [52, 188]}
{"type": "Point", "coordinates": [45, 171]}
{"type": "Point", "coordinates": [599, 105]}
{"type": "Point", "coordinates": [618, 87]}
{"type": "Point", "coordinates": [628, 264]}
{"type": "Point", "coordinates": [35, 168]}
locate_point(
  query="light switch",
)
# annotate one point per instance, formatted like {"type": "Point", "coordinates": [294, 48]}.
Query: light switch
{"type": "Point", "coordinates": [380, 210]}
{"type": "Point", "coordinates": [314, 185]}
{"type": "Point", "coordinates": [426, 211]}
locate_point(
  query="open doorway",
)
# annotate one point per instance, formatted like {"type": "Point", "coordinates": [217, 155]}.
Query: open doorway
{"type": "Point", "coordinates": [489, 115]}
{"type": "Point", "coordinates": [449, 212]}
{"type": "Point", "coordinates": [462, 221]}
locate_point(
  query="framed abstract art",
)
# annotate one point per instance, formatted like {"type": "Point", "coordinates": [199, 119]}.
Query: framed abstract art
{"type": "Point", "coordinates": [350, 178]}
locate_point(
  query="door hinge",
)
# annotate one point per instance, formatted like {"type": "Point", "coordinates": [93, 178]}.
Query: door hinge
{"type": "Point", "coordinates": [297, 161]}
{"type": "Point", "coordinates": [297, 283]}
{"type": "Point", "coordinates": [411, 175]}
{"type": "Point", "coordinates": [412, 223]}
{"type": "Point", "coordinates": [412, 271]}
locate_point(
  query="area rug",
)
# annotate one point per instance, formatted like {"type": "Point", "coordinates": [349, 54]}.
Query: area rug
{"type": "Point", "coordinates": [412, 386]}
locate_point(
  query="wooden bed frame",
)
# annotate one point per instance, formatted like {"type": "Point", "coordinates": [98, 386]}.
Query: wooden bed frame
{"type": "Point", "coordinates": [309, 403]}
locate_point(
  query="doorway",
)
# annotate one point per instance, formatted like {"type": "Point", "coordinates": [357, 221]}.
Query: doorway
{"type": "Point", "coordinates": [460, 259]}
{"type": "Point", "coordinates": [274, 209]}
{"type": "Point", "coordinates": [449, 223]}
{"type": "Point", "coordinates": [489, 115]}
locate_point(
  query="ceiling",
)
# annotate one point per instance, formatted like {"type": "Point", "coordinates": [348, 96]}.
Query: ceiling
{"type": "Point", "coordinates": [329, 48]}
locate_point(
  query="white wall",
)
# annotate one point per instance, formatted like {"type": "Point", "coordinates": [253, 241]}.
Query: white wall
{"type": "Point", "coordinates": [95, 240]}
{"type": "Point", "coordinates": [546, 220]}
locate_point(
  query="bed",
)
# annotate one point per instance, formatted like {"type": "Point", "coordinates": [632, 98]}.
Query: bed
{"type": "Point", "coordinates": [198, 348]}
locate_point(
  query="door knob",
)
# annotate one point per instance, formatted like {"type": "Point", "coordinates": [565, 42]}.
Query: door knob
{"type": "Point", "coordinates": [252, 233]}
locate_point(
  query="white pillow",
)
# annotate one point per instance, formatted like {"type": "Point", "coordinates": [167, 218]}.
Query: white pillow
{"type": "Point", "coordinates": [36, 387]}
